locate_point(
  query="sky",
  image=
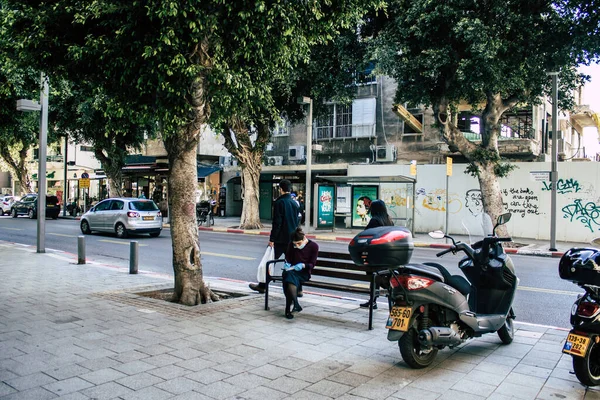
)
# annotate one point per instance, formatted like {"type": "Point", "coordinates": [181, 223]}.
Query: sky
{"type": "Point", "coordinates": [591, 97]}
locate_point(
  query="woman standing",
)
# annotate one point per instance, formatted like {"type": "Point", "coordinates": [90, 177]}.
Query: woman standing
{"type": "Point", "coordinates": [301, 257]}
{"type": "Point", "coordinates": [379, 217]}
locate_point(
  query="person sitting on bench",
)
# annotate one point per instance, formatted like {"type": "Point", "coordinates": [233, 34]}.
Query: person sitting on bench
{"type": "Point", "coordinates": [300, 259]}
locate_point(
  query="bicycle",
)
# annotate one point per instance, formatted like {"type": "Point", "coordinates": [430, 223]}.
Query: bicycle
{"type": "Point", "coordinates": [204, 213]}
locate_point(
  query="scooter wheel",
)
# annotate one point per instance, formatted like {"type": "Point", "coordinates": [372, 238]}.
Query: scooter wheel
{"type": "Point", "coordinates": [587, 369]}
{"type": "Point", "coordinates": [412, 353]}
{"type": "Point", "coordinates": [507, 332]}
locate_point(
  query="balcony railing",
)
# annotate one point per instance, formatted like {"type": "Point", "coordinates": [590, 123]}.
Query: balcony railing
{"type": "Point", "coordinates": [345, 131]}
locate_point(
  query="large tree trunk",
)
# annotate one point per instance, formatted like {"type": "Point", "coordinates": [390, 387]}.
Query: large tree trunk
{"type": "Point", "coordinates": [190, 288]}
{"type": "Point", "coordinates": [113, 168]}
{"type": "Point", "coordinates": [19, 168]}
{"type": "Point", "coordinates": [251, 168]}
{"type": "Point", "coordinates": [181, 147]}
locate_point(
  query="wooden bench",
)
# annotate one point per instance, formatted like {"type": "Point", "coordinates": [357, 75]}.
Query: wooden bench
{"type": "Point", "coordinates": [334, 266]}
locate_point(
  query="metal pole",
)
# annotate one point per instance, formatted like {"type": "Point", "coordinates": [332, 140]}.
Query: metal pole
{"type": "Point", "coordinates": [41, 201]}
{"type": "Point", "coordinates": [447, 195]}
{"type": "Point", "coordinates": [66, 183]}
{"type": "Point", "coordinates": [80, 250]}
{"type": "Point", "coordinates": [554, 172]}
{"type": "Point", "coordinates": [308, 194]}
{"type": "Point", "coordinates": [133, 257]}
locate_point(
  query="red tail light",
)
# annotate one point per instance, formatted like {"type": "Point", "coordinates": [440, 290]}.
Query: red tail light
{"type": "Point", "coordinates": [587, 309]}
{"type": "Point", "coordinates": [391, 237]}
{"type": "Point", "coordinates": [132, 214]}
{"type": "Point", "coordinates": [411, 282]}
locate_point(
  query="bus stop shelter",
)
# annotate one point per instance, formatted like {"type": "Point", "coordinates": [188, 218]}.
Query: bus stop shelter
{"type": "Point", "coordinates": [344, 201]}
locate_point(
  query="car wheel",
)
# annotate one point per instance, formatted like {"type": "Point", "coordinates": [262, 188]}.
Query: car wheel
{"type": "Point", "coordinates": [121, 231]}
{"type": "Point", "coordinates": [155, 234]}
{"type": "Point", "coordinates": [31, 214]}
{"type": "Point", "coordinates": [13, 212]}
{"type": "Point", "coordinates": [85, 227]}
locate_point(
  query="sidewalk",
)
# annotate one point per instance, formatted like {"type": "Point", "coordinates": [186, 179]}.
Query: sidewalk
{"type": "Point", "coordinates": [78, 331]}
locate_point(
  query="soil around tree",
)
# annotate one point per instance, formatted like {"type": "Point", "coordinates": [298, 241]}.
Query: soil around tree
{"type": "Point", "coordinates": [167, 295]}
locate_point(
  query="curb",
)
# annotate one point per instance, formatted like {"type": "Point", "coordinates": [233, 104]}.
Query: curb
{"type": "Point", "coordinates": [538, 253]}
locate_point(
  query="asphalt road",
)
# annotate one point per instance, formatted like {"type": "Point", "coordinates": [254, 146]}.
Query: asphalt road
{"type": "Point", "coordinates": [542, 298]}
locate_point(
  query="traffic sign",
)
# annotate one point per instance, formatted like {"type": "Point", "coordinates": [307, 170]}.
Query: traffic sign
{"type": "Point", "coordinates": [84, 183]}
{"type": "Point", "coordinates": [85, 175]}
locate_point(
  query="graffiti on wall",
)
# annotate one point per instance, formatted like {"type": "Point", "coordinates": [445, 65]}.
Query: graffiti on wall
{"type": "Point", "coordinates": [588, 214]}
{"type": "Point", "coordinates": [435, 200]}
{"type": "Point", "coordinates": [563, 186]}
{"type": "Point", "coordinates": [521, 201]}
{"type": "Point", "coordinates": [476, 222]}
{"type": "Point", "coordinates": [396, 197]}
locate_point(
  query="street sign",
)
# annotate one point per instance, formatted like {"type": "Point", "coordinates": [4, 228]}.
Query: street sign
{"type": "Point", "coordinates": [448, 166]}
{"type": "Point", "coordinates": [84, 183]}
{"type": "Point", "coordinates": [85, 175]}
{"type": "Point", "coordinates": [540, 176]}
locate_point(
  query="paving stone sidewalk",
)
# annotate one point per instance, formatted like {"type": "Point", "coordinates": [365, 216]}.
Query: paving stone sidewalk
{"type": "Point", "coordinates": [73, 331]}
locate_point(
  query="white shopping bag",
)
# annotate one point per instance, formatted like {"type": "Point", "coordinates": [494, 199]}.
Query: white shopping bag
{"type": "Point", "coordinates": [261, 273]}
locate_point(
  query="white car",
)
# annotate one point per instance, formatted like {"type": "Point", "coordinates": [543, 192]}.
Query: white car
{"type": "Point", "coordinates": [6, 202]}
{"type": "Point", "coordinates": [124, 216]}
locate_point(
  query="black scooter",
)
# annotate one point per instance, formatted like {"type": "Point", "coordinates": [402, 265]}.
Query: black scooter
{"type": "Point", "coordinates": [431, 309]}
{"type": "Point", "coordinates": [582, 267]}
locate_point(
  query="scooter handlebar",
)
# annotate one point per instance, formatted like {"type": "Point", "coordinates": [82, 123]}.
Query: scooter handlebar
{"type": "Point", "coordinates": [441, 253]}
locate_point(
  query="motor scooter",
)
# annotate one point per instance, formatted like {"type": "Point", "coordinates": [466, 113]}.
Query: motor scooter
{"type": "Point", "coordinates": [581, 266]}
{"type": "Point", "coordinates": [431, 308]}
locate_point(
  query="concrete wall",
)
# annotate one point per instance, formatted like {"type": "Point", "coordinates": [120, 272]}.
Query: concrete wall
{"type": "Point", "coordinates": [578, 199]}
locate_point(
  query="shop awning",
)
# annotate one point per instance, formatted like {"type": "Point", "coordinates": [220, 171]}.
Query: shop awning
{"type": "Point", "coordinates": [204, 171]}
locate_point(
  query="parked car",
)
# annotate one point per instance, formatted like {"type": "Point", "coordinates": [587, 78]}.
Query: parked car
{"type": "Point", "coordinates": [6, 203]}
{"type": "Point", "coordinates": [28, 206]}
{"type": "Point", "coordinates": [124, 216]}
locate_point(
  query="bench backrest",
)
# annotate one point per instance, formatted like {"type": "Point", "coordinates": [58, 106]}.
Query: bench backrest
{"type": "Point", "coordinates": [339, 265]}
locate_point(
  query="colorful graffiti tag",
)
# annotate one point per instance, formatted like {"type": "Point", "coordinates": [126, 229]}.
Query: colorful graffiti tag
{"type": "Point", "coordinates": [588, 214]}
{"type": "Point", "coordinates": [563, 186]}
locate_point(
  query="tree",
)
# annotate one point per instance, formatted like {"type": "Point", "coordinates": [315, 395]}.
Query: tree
{"type": "Point", "coordinates": [495, 55]}
{"type": "Point", "coordinates": [170, 60]}
{"type": "Point", "coordinates": [329, 74]}
{"type": "Point", "coordinates": [82, 114]}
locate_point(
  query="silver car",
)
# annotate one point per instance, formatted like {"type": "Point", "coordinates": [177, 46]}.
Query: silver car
{"type": "Point", "coordinates": [6, 202]}
{"type": "Point", "coordinates": [123, 216]}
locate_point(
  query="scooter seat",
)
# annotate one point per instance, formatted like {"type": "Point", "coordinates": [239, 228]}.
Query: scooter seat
{"type": "Point", "coordinates": [456, 281]}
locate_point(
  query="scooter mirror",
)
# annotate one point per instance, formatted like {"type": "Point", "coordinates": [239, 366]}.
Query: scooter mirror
{"type": "Point", "coordinates": [503, 218]}
{"type": "Point", "coordinates": [437, 235]}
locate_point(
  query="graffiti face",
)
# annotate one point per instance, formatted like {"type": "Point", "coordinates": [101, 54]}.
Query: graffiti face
{"type": "Point", "coordinates": [474, 202]}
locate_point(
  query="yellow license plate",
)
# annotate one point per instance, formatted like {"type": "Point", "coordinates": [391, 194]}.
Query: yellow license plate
{"type": "Point", "coordinates": [399, 318]}
{"type": "Point", "coordinates": [148, 218]}
{"type": "Point", "coordinates": [576, 345]}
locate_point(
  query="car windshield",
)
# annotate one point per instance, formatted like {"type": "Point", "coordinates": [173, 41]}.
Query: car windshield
{"type": "Point", "coordinates": [142, 205]}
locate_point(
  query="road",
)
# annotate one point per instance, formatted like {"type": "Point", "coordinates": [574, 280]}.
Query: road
{"type": "Point", "coordinates": [542, 298]}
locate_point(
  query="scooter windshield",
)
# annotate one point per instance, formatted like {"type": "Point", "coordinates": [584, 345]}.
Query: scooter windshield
{"type": "Point", "coordinates": [477, 226]}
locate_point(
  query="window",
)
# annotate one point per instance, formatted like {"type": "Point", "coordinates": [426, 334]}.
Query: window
{"type": "Point", "coordinates": [103, 206]}
{"type": "Point", "coordinates": [366, 77]}
{"type": "Point", "coordinates": [86, 148]}
{"type": "Point", "coordinates": [347, 121]}
{"type": "Point", "coordinates": [116, 205]}
{"type": "Point", "coordinates": [142, 205]}
{"type": "Point", "coordinates": [282, 128]}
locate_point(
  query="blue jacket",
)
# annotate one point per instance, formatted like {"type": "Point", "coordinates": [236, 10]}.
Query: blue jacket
{"type": "Point", "coordinates": [285, 219]}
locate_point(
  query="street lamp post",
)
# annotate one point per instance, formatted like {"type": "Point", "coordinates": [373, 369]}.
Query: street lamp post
{"type": "Point", "coordinates": [308, 194]}
{"type": "Point", "coordinates": [554, 171]}
{"type": "Point", "coordinates": [29, 105]}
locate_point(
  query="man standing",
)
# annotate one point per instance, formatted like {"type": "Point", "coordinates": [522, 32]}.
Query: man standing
{"type": "Point", "coordinates": [285, 221]}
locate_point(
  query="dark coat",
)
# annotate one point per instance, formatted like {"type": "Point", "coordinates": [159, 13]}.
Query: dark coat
{"type": "Point", "coordinates": [285, 219]}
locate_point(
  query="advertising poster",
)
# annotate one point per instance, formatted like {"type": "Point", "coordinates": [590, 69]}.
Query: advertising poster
{"type": "Point", "coordinates": [325, 210]}
{"type": "Point", "coordinates": [362, 196]}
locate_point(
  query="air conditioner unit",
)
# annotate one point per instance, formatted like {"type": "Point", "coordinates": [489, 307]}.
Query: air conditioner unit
{"type": "Point", "coordinates": [275, 160]}
{"type": "Point", "coordinates": [296, 153]}
{"type": "Point", "coordinates": [385, 153]}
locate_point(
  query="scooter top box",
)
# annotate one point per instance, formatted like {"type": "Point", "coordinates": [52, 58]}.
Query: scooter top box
{"type": "Point", "coordinates": [581, 265]}
{"type": "Point", "coordinates": [381, 247]}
